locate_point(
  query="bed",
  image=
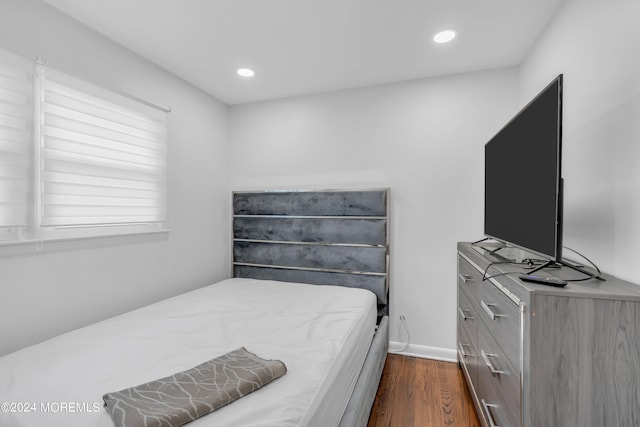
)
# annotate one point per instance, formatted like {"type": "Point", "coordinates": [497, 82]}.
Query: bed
{"type": "Point", "coordinates": [321, 312]}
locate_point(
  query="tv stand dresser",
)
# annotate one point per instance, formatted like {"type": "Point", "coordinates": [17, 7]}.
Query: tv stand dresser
{"type": "Point", "coordinates": [540, 356]}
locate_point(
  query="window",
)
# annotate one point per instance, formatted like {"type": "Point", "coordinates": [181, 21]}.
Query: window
{"type": "Point", "coordinates": [16, 140]}
{"type": "Point", "coordinates": [92, 162]}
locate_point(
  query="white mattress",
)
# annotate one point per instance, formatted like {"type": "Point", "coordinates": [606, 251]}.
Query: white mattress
{"type": "Point", "coordinates": [321, 333]}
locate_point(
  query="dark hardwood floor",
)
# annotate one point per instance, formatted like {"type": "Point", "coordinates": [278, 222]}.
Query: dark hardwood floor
{"type": "Point", "coordinates": [422, 392]}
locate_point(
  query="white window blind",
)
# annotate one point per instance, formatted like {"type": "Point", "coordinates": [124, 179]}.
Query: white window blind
{"type": "Point", "coordinates": [16, 140]}
{"type": "Point", "coordinates": [102, 158]}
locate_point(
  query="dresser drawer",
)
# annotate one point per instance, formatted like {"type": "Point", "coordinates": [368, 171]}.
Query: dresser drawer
{"type": "Point", "coordinates": [469, 280]}
{"type": "Point", "coordinates": [498, 382]}
{"type": "Point", "coordinates": [467, 318]}
{"type": "Point", "coordinates": [468, 355]}
{"type": "Point", "coordinates": [502, 319]}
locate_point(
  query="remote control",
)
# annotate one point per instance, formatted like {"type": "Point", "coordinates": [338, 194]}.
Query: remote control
{"type": "Point", "coordinates": [551, 281]}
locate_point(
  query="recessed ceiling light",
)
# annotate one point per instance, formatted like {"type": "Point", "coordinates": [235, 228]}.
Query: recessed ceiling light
{"type": "Point", "coordinates": [245, 72]}
{"type": "Point", "coordinates": [444, 36]}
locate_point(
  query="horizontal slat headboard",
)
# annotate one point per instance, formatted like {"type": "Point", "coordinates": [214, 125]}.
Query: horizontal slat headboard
{"type": "Point", "coordinates": [335, 237]}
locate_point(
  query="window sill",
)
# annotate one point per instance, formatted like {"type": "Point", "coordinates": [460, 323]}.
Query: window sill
{"type": "Point", "coordinates": [58, 236]}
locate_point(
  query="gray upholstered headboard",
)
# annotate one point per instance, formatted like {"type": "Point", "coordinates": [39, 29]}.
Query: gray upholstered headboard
{"type": "Point", "coordinates": [333, 237]}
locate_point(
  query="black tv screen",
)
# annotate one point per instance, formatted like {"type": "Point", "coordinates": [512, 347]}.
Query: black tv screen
{"type": "Point", "coordinates": [523, 184]}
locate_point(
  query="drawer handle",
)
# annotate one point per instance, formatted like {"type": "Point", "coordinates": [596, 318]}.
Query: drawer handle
{"type": "Point", "coordinates": [462, 352]}
{"type": "Point", "coordinates": [486, 407]}
{"type": "Point", "coordinates": [463, 314]}
{"type": "Point", "coordinates": [490, 312]}
{"type": "Point", "coordinates": [465, 277]}
{"type": "Point", "coordinates": [487, 362]}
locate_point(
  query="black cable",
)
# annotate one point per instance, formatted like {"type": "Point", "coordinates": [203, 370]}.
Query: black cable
{"type": "Point", "coordinates": [534, 262]}
{"type": "Point", "coordinates": [595, 267]}
{"type": "Point", "coordinates": [485, 277]}
{"type": "Point", "coordinates": [502, 274]}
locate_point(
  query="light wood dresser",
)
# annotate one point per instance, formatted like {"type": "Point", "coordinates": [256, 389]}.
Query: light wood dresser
{"type": "Point", "coordinates": [540, 356]}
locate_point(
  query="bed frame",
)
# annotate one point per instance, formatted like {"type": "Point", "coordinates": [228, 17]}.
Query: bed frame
{"type": "Point", "coordinates": [338, 237]}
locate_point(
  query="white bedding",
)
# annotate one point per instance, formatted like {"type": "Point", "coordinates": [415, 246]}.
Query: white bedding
{"type": "Point", "coordinates": [321, 333]}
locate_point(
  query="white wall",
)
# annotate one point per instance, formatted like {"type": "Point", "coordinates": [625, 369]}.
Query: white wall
{"type": "Point", "coordinates": [72, 284]}
{"type": "Point", "coordinates": [424, 139]}
{"type": "Point", "coordinates": [595, 44]}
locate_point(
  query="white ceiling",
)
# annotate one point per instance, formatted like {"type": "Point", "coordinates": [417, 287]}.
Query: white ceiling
{"type": "Point", "coordinates": [308, 46]}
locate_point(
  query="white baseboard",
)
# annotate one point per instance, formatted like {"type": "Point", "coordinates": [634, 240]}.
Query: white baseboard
{"type": "Point", "coordinates": [424, 351]}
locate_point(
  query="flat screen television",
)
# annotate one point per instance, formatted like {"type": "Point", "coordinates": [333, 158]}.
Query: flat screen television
{"type": "Point", "coordinates": [523, 181]}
